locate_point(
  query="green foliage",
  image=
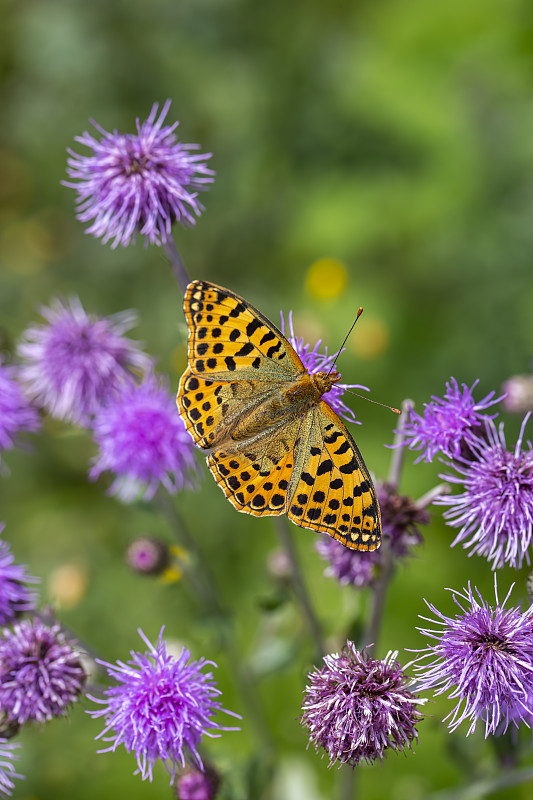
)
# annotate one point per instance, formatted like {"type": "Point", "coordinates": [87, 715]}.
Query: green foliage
{"type": "Point", "coordinates": [394, 136]}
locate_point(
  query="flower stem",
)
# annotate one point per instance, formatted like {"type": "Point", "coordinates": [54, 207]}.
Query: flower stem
{"type": "Point", "coordinates": [300, 587]}
{"type": "Point", "coordinates": [176, 263]}
{"type": "Point", "coordinates": [203, 583]}
{"type": "Point", "coordinates": [371, 634]}
{"type": "Point", "coordinates": [486, 786]}
{"type": "Point", "coordinates": [437, 491]}
{"type": "Point", "coordinates": [200, 575]}
{"type": "Point", "coordinates": [398, 452]}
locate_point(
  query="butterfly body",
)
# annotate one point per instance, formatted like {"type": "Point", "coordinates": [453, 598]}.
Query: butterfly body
{"type": "Point", "coordinates": [272, 443]}
{"type": "Point", "coordinates": [292, 400]}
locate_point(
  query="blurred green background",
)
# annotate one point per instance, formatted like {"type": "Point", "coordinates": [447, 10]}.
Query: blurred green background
{"type": "Point", "coordinates": [389, 142]}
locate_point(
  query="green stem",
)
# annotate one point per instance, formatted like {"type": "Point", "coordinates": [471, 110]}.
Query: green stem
{"type": "Point", "coordinates": [202, 581]}
{"type": "Point", "coordinates": [486, 786]}
{"type": "Point", "coordinates": [176, 263]}
{"type": "Point", "coordinates": [300, 587]}
{"type": "Point", "coordinates": [199, 575]}
{"type": "Point", "coordinates": [371, 634]}
{"type": "Point", "coordinates": [437, 491]}
{"type": "Point", "coordinates": [398, 452]}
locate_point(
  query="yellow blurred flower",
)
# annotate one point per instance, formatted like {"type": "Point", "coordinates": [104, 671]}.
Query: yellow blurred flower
{"type": "Point", "coordinates": [326, 278]}
{"type": "Point", "coordinates": [67, 585]}
{"type": "Point", "coordinates": [370, 338]}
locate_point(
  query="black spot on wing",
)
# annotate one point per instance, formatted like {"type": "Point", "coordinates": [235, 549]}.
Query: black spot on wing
{"type": "Point", "coordinates": [252, 327]}
{"type": "Point", "coordinates": [245, 350]}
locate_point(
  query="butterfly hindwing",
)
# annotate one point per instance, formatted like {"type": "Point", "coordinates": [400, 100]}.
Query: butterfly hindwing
{"type": "Point", "coordinates": [332, 490]}
{"type": "Point", "coordinates": [210, 408]}
{"type": "Point", "coordinates": [255, 477]}
{"type": "Point", "coordinates": [230, 339]}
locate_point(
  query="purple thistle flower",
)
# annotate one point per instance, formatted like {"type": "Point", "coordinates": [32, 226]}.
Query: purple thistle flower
{"type": "Point", "coordinates": [40, 672]}
{"type": "Point", "coordinates": [7, 769]}
{"type": "Point", "coordinates": [143, 439]}
{"type": "Point", "coordinates": [318, 362]}
{"type": "Point", "coordinates": [138, 183]}
{"type": "Point", "coordinates": [449, 424]}
{"type": "Point", "coordinates": [148, 555]}
{"type": "Point", "coordinates": [518, 398]}
{"type": "Point", "coordinates": [357, 707]}
{"type": "Point", "coordinates": [483, 658]}
{"type": "Point", "coordinates": [160, 708]}
{"type": "Point", "coordinates": [495, 510]}
{"type": "Point", "coordinates": [194, 785]}
{"type": "Point", "coordinates": [16, 413]}
{"type": "Point", "coordinates": [15, 597]}
{"type": "Point", "coordinates": [400, 518]}
{"type": "Point", "coordinates": [350, 567]}
{"type": "Point", "coordinates": [73, 364]}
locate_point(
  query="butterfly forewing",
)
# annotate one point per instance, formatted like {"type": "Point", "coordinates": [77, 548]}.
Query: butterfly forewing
{"type": "Point", "coordinates": [229, 338]}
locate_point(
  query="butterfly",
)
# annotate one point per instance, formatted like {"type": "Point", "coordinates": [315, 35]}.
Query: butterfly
{"type": "Point", "coordinates": [272, 443]}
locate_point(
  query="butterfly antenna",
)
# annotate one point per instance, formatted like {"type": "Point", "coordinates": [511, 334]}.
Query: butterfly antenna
{"type": "Point", "coordinates": [369, 399]}
{"type": "Point", "coordinates": [362, 396]}
{"type": "Point", "coordinates": [346, 338]}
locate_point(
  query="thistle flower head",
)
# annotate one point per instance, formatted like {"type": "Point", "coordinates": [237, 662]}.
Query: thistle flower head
{"type": "Point", "coordinates": [74, 363]}
{"type": "Point", "coordinates": [16, 413]}
{"type": "Point", "coordinates": [7, 768]}
{"type": "Point", "coordinates": [315, 361]}
{"type": "Point", "coordinates": [495, 509]}
{"type": "Point", "coordinates": [143, 440]}
{"type": "Point", "coordinates": [449, 424]}
{"type": "Point", "coordinates": [400, 518]}
{"type": "Point", "coordinates": [160, 708]}
{"type": "Point", "coordinates": [148, 555]}
{"type": "Point", "coordinates": [138, 183]}
{"type": "Point", "coordinates": [356, 708]}
{"type": "Point", "coordinates": [518, 396]}
{"type": "Point", "coordinates": [195, 785]}
{"type": "Point", "coordinates": [483, 658]}
{"type": "Point", "coordinates": [15, 594]}
{"type": "Point", "coordinates": [40, 672]}
{"type": "Point", "coordinates": [350, 567]}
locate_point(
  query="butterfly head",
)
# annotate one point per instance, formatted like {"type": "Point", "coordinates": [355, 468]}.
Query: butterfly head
{"type": "Point", "coordinates": [324, 380]}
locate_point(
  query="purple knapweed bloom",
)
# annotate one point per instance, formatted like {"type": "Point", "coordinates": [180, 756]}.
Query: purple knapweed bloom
{"type": "Point", "coordinates": [148, 555]}
{"type": "Point", "coordinates": [16, 413]}
{"type": "Point", "coordinates": [195, 785]}
{"type": "Point", "coordinates": [160, 708]}
{"type": "Point", "coordinates": [75, 362]}
{"type": "Point", "coordinates": [7, 768]}
{"type": "Point", "coordinates": [138, 183]}
{"type": "Point", "coordinates": [319, 362]}
{"type": "Point", "coordinates": [449, 425]}
{"type": "Point", "coordinates": [483, 658]}
{"type": "Point", "coordinates": [350, 567]}
{"type": "Point", "coordinates": [357, 707]}
{"type": "Point", "coordinates": [41, 674]}
{"type": "Point", "coordinates": [400, 518]}
{"type": "Point", "coordinates": [143, 440]}
{"type": "Point", "coordinates": [495, 510]}
{"type": "Point", "coordinates": [518, 397]}
{"type": "Point", "coordinates": [15, 596]}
